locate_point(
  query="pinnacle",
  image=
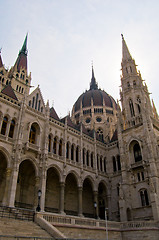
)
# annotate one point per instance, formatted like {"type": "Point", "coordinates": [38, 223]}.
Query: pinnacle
{"type": "Point", "coordinates": [93, 84]}
{"type": "Point", "coordinates": [125, 51]}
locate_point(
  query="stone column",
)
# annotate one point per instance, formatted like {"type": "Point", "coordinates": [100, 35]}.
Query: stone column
{"type": "Point", "coordinates": [36, 192]}
{"type": "Point", "coordinates": [13, 186]}
{"type": "Point", "coordinates": [57, 147]}
{"type": "Point", "coordinates": [43, 190]}
{"type": "Point", "coordinates": [80, 211]}
{"type": "Point", "coordinates": [62, 195]}
{"type": "Point", "coordinates": [6, 191]}
{"type": "Point", "coordinates": [96, 201]}
{"type": "Point", "coordinates": [8, 128]}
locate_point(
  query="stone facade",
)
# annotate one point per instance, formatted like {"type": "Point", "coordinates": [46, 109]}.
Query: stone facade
{"type": "Point", "coordinates": [80, 170]}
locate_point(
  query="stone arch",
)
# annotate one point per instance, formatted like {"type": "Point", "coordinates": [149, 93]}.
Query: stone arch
{"type": "Point", "coordinates": [102, 199]}
{"type": "Point", "coordinates": [76, 175]}
{"type": "Point", "coordinates": [34, 133]}
{"type": "Point", "coordinates": [3, 168]}
{"type": "Point", "coordinates": [71, 194]}
{"type": "Point", "coordinates": [33, 161]}
{"type": "Point", "coordinates": [88, 197]}
{"type": "Point", "coordinates": [52, 190]}
{"type": "Point", "coordinates": [6, 154]}
{"type": "Point", "coordinates": [58, 169]}
{"type": "Point", "coordinates": [26, 185]}
{"type": "Point", "coordinates": [135, 151]}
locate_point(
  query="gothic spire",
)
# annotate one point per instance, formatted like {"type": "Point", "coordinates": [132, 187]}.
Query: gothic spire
{"type": "Point", "coordinates": [1, 63]}
{"type": "Point", "coordinates": [21, 61]}
{"type": "Point", "coordinates": [125, 51]}
{"type": "Point", "coordinates": [93, 84]}
{"type": "Point", "coordinates": [24, 47]}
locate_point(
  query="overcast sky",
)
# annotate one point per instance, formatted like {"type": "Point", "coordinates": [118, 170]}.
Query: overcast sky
{"type": "Point", "coordinates": [65, 36]}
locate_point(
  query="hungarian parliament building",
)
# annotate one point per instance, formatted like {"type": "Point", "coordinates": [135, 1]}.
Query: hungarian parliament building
{"type": "Point", "coordinates": [104, 155]}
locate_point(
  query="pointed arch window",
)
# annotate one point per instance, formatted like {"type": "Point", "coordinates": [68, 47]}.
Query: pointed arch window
{"type": "Point", "coordinates": [87, 158]}
{"type": "Point", "coordinates": [55, 145]}
{"type": "Point", "coordinates": [60, 147]}
{"type": "Point", "coordinates": [138, 104]}
{"type": "Point", "coordinates": [144, 198]}
{"type": "Point", "coordinates": [131, 108]}
{"type": "Point", "coordinates": [101, 163]}
{"type": "Point", "coordinates": [114, 164]}
{"type": "Point", "coordinates": [72, 152]}
{"type": "Point", "coordinates": [83, 156]}
{"type": "Point", "coordinates": [67, 150]}
{"type": "Point", "coordinates": [137, 152]}
{"type": "Point", "coordinates": [12, 127]}
{"type": "Point", "coordinates": [100, 134]}
{"type": "Point", "coordinates": [105, 169]}
{"type": "Point", "coordinates": [92, 160]}
{"type": "Point", "coordinates": [32, 136]}
{"type": "Point", "coordinates": [4, 125]}
{"type": "Point", "coordinates": [77, 154]}
{"type": "Point", "coordinates": [118, 163]}
{"type": "Point", "coordinates": [97, 161]}
{"type": "Point", "coordinates": [49, 145]}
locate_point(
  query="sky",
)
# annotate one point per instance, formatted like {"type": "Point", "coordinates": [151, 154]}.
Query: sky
{"type": "Point", "coordinates": [65, 36]}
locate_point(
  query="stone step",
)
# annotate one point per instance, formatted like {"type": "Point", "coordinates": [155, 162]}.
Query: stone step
{"type": "Point", "coordinates": [15, 227]}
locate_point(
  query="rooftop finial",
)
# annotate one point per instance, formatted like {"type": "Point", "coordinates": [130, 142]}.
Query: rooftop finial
{"type": "Point", "coordinates": [93, 84]}
{"type": "Point", "coordinates": [122, 36]}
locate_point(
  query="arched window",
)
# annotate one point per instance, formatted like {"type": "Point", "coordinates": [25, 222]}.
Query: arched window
{"type": "Point", "coordinates": [92, 160]}
{"type": "Point", "coordinates": [101, 164]}
{"type": "Point", "coordinates": [83, 156]}
{"type": "Point", "coordinates": [105, 169]}
{"type": "Point", "coordinates": [49, 145]}
{"type": "Point", "coordinates": [55, 145]}
{"type": "Point", "coordinates": [144, 197]}
{"type": "Point", "coordinates": [32, 136]}
{"type": "Point", "coordinates": [4, 125]}
{"type": "Point", "coordinates": [97, 161]}
{"type": "Point", "coordinates": [138, 104]}
{"type": "Point", "coordinates": [87, 158]}
{"type": "Point", "coordinates": [137, 152]}
{"type": "Point", "coordinates": [131, 108]}
{"type": "Point", "coordinates": [60, 147]}
{"type": "Point", "coordinates": [11, 130]}
{"type": "Point", "coordinates": [77, 154]}
{"type": "Point", "coordinates": [114, 164]}
{"type": "Point", "coordinates": [100, 134]}
{"type": "Point", "coordinates": [67, 150]}
{"type": "Point", "coordinates": [72, 152]}
{"type": "Point", "coordinates": [118, 163]}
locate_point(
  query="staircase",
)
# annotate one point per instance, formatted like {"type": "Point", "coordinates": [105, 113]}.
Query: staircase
{"type": "Point", "coordinates": [18, 224]}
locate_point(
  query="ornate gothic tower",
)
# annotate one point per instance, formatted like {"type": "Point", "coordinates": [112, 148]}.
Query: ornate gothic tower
{"type": "Point", "coordinates": [18, 74]}
{"type": "Point", "coordinates": [138, 132]}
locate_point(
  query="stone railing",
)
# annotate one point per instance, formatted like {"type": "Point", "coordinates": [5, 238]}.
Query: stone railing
{"type": "Point", "coordinates": [140, 225]}
{"type": "Point", "coordinates": [57, 220]}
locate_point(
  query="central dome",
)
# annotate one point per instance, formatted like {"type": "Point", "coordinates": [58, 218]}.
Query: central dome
{"type": "Point", "coordinates": [94, 96]}
{"type": "Point", "coordinates": [96, 110]}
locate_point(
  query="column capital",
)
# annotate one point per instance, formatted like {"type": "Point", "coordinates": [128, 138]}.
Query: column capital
{"type": "Point", "coordinates": [8, 172]}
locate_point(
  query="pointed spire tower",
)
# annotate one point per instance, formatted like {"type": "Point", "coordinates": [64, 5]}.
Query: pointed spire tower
{"type": "Point", "coordinates": [20, 80]}
{"type": "Point", "coordinates": [21, 62]}
{"type": "Point", "coordinates": [93, 84]}
{"type": "Point", "coordinates": [133, 93]}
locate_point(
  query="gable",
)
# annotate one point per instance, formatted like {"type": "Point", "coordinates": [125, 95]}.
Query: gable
{"type": "Point", "coordinates": [35, 101]}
